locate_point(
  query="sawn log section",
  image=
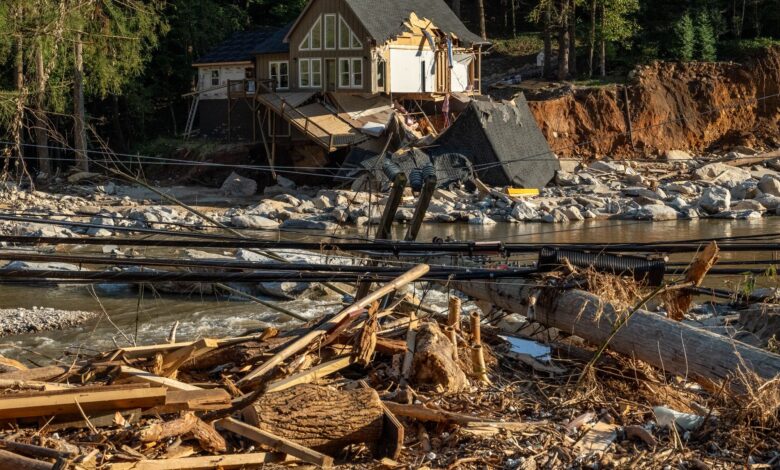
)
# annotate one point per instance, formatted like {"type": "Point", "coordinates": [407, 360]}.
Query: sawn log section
{"type": "Point", "coordinates": [675, 347]}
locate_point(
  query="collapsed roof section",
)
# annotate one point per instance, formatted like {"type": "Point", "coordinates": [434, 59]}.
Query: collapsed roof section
{"type": "Point", "coordinates": [504, 143]}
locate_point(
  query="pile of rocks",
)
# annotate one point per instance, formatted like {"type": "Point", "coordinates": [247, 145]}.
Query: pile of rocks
{"type": "Point", "coordinates": [17, 321]}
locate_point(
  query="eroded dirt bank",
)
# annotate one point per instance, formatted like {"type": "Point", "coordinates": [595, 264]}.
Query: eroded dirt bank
{"type": "Point", "coordinates": [693, 106]}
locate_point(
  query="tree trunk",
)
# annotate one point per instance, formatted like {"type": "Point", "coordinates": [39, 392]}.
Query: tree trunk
{"type": "Point", "coordinates": [41, 125]}
{"type": "Point", "coordinates": [17, 462]}
{"type": "Point", "coordinates": [481, 12]}
{"type": "Point", "coordinates": [563, 41]}
{"type": "Point", "coordinates": [514, 18]}
{"type": "Point", "coordinates": [573, 38]}
{"type": "Point", "coordinates": [675, 347]}
{"type": "Point", "coordinates": [547, 70]}
{"type": "Point", "coordinates": [433, 361]}
{"type": "Point", "coordinates": [456, 7]}
{"type": "Point", "coordinates": [79, 133]}
{"type": "Point", "coordinates": [320, 418]}
{"type": "Point", "coordinates": [592, 38]}
{"type": "Point", "coordinates": [603, 53]}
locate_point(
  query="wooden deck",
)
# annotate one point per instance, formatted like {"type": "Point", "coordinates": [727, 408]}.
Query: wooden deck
{"type": "Point", "coordinates": [314, 120]}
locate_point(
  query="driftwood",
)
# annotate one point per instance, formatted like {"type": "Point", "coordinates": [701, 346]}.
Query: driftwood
{"type": "Point", "coordinates": [189, 426]}
{"type": "Point", "coordinates": [679, 302]}
{"type": "Point", "coordinates": [331, 323]}
{"type": "Point", "coordinates": [433, 360]}
{"type": "Point", "coordinates": [320, 418]}
{"type": "Point", "coordinates": [10, 460]}
{"type": "Point", "coordinates": [675, 347]}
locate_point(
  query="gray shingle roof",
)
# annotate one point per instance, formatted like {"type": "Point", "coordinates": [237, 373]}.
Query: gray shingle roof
{"type": "Point", "coordinates": [238, 47]}
{"type": "Point", "coordinates": [274, 44]}
{"type": "Point", "coordinates": [384, 18]}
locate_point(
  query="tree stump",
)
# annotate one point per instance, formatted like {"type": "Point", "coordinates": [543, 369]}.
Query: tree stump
{"type": "Point", "coordinates": [320, 418]}
{"type": "Point", "coordinates": [433, 360]}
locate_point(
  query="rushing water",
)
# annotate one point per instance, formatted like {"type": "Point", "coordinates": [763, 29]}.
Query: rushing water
{"type": "Point", "coordinates": [150, 317]}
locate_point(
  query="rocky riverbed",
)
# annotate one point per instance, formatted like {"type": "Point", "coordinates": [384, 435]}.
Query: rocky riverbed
{"type": "Point", "coordinates": [680, 186]}
{"type": "Point", "coordinates": [18, 321]}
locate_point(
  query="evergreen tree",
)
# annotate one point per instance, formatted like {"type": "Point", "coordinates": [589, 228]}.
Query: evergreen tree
{"type": "Point", "coordinates": [683, 39]}
{"type": "Point", "coordinates": [705, 37]}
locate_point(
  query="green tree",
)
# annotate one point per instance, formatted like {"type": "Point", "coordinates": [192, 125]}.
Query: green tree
{"type": "Point", "coordinates": [706, 39]}
{"type": "Point", "coordinates": [683, 39]}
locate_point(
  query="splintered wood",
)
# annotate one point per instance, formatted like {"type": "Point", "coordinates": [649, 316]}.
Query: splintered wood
{"type": "Point", "coordinates": [679, 302]}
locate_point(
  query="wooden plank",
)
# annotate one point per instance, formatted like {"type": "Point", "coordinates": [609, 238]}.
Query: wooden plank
{"type": "Point", "coordinates": [138, 375]}
{"type": "Point", "coordinates": [38, 373]}
{"type": "Point", "coordinates": [311, 375]}
{"type": "Point", "coordinates": [193, 400]}
{"type": "Point", "coordinates": [674, 347]}
{"type": "Point", "coordinates": [226, 462]}
{"type": "Point", "coordinates": [276, 442]}
{"type": "Point", "coordinates": [67, 402]}
{"type": "Point", "coordinates": [173, 360]}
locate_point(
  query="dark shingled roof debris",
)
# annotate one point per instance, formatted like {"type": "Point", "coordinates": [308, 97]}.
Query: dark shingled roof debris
{"type": "Point", "coordinates": [238, 47]}
{"type": "Point", "coordinates": [503, 142]}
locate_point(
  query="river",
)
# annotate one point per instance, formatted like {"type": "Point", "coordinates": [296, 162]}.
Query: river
{"type": "Point", "coordinates": [149, 318]}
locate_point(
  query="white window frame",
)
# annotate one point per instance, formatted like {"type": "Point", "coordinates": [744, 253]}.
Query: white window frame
{"type": "Point", "coordinates": [307, 43]}
{"type": "Point", "coordinates": [335, 18]}
{"type": "Point", "coordinates": [351, 61]}
{"type": "Point", "coordinates": [353, 43]}
{"type": "Point", "coordinates": [215, 74]}
{"type": "Point", "coordinates": [278, 80]}
{"type": "Point", "coordinates": [314, 78]}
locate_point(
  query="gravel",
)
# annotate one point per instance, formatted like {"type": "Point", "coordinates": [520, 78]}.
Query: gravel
{"type": "Point", "coordinates": [18, 321]}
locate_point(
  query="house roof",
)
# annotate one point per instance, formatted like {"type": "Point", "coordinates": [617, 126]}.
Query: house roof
{"type": "Point", "coordinates": [237, 48]}
{"type": "Point", "coordinates": [384, 19]}
{"type": "Point", "coordinates": [274, 44]}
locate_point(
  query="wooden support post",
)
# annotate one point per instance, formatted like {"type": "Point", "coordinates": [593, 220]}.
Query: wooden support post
{"type": "Point", "coordinates": [453, 313]}
{"type": "Point", "coordinates": [429, 187]}
{"type": "Point", "coordinates": [453, 336]}
{"type": "Point", "coordinates": [320, 330]}
{"type": "Point", "coordinates": [674, 347]}
{"type": "Point", "coordinates": [275, 442]}
{"type": "Point", "coordinates": [478, 363]}
{"type": "Point", "coordinates": [476, 335]}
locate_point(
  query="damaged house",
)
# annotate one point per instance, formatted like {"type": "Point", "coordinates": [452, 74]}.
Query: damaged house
{"type": "Point", "coordinates": [367, 75]}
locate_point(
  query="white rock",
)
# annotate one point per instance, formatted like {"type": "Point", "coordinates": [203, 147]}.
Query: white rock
{"type": "Point", "coordinates": [748, 205]}
{"type": "Point", "coordinates": [254, 222]}
{"type": "Point", "coordinates": [769, 185]}
{"type": "Point", "coordinates": [573, 213]}
{"type": "Point", "coordinates": [715, 199]}
{"type": "Point", "coordinates": [723, 174]}
{"type": "Point", "coordinates": [481, 219]}
{"type": "Point", "coordinates": [236, 185]}
{"type": "Point", "coordinates": [675, 155]}
{"type": "Point", "coordinates": [524, 211]}
{"type": "Point", "coordinates": [656, 212]}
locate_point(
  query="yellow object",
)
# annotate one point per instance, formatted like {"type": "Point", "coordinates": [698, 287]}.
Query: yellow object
{"type": "Point", "coordinates": [522, 192]}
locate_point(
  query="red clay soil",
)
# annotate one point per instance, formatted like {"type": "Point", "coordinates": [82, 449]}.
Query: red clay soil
{"type": "Point", "coordinates": [673, 106]}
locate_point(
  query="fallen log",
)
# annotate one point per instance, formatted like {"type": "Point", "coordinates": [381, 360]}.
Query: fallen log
{"type": "Point", "coordinates": [433, 362]}
{"type": "Point", "coordinates": [700, 355]}
{"type": "Point", "coordinates": [18, 462]}
{"type": "Point", "coordinates": [320, 418]}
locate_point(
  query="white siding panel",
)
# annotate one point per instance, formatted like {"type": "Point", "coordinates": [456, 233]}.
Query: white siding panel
{"type": "Point", "coordinates": [406, 70]}
{"type": "Point", "coordinates": [460, 75]}
{"type": "Point", "coordinates": [225, 73]}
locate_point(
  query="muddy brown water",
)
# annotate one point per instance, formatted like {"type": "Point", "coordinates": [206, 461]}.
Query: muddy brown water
{"type": "Point", "coordinates": [149, 318]}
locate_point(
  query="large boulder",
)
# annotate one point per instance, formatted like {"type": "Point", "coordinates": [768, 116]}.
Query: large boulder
{"type": "Point", "coordinates": [769, 184]}
{"type": "Point", "coordinates": [656, 212]}
{"type": "Point", "coordinates": [254, 222]}
{"type": "Point", "coordinates": [722, 174]}
{"type": "Point", "coordinates": [238, 186]}
{"type": "Point", "coordinates": [715, 199]}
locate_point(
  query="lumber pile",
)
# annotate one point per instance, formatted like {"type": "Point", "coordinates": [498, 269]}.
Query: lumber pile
{"type": "Point", "coordinates": [387, 385]}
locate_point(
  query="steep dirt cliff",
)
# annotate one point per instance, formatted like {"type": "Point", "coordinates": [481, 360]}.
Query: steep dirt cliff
{"type": "Point", "coordinates": [692, 106]}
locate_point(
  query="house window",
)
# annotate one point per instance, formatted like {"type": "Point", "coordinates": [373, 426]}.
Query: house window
{"type": "Point", "coordinates": [313, 40]}
{"type": "Point", "coordinates": [215, 78]}
{"type": "Point", "coordinates": [351, 73]}
{"type": "Point", "coordinates": [347, 38]}
{"type": "Point", "coordinates": [279, 72]}
{"type": "Point", "coordinates": [330, 32]}
{"type": "Point", "coordinates": [310, 73]}
{"type": "Point", "coordinates": [380, 74]}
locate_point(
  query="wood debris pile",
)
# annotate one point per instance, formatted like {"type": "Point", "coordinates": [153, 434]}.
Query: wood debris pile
{"type": "Point", "coordinates": [384, 383]}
